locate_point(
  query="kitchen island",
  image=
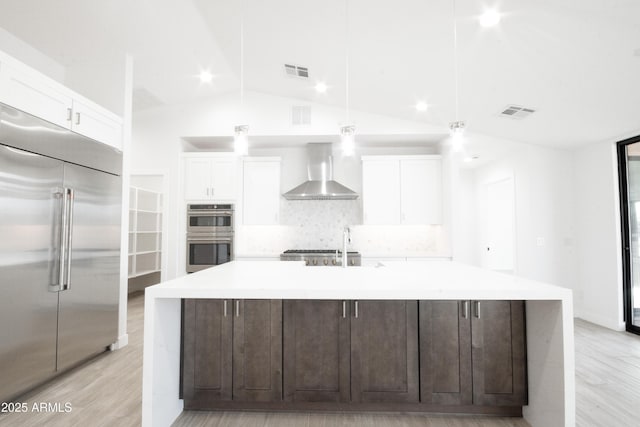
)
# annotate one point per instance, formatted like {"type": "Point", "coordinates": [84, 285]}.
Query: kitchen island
{"type": "Point", "coordinates": [549, 319]}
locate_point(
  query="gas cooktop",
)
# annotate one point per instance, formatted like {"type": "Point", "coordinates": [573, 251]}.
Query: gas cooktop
{"type": "Point", "coordinates": [319, 257]}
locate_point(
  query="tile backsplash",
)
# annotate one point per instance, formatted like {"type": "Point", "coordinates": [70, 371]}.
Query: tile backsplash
{"type": "Point", "coordinates": [318, 224]}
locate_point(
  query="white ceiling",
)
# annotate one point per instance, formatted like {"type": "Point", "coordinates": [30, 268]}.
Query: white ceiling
{"type": "Point", "coordinates": [576, 62]}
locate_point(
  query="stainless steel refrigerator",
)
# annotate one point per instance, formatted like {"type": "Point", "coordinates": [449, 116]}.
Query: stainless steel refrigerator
{"type": "Point", "coordinates": [60, 210]}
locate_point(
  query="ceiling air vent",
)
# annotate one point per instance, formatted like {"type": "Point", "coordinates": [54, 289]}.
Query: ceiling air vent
{"type": "Point", "coordinates": [296, 71]}
{"type": "Point", "coordinates": [300, 115]}
{"type": "Point", "coordinates": [516, 112]}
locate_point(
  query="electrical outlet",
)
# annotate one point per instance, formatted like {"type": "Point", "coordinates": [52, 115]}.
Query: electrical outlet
{"type": "Point", "coordinates": [540, 241]}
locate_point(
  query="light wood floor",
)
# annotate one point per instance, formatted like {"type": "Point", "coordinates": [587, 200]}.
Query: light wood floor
{"type": "Point", "coordinates": [107, 392]}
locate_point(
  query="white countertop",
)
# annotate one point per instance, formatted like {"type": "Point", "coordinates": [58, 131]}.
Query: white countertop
{"type": "Point", "coordinates": [394, 280]}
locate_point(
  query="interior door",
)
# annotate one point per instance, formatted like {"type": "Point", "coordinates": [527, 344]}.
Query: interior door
{"type": "Point", "coordinates": [500, 226]}
{"type": "Point", "coordinates": [29, 214]}
{"type": "Point", "coordinates": [88, 310]}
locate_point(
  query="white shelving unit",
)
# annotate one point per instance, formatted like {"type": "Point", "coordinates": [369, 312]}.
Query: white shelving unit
{"type": "Point", "coordinates": [145, 231]}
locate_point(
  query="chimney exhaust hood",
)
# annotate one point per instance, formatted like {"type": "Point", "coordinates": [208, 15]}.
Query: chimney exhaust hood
{"type": "Point", "coordinates": [320, 184]}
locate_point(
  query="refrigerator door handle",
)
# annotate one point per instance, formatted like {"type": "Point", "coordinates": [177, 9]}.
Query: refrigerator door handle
{"type": "Point", "coordinates": [57, 269]}
{"type": "Point", "coordinates": [67, 218]}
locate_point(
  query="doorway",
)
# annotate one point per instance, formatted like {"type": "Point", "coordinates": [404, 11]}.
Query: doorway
{"type": "Point", "coordinates": [629, 174]}
{"type": "Point", "coordinates": [146, 237]}
{"type": "Point", "coordinates": [500, 226]}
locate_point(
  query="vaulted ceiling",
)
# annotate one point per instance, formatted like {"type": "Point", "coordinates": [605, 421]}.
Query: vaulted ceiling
{"type": "Point", "coordinates": [575, 62]}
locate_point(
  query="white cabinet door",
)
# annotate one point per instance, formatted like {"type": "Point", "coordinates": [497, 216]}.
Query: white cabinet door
{"type": "Point", "coordinates": [380, 191]}
{"type": "Point", "coordinates": [197, 178]}
{"type": "Point", "coordinates": [90, 122]}
{"type": "Point", "coordinates": [207, 178]}
{"type": "Point", "coordinates": [420, 191]}
{"type": "Point", "coordinates": [223, 184]}
{"type": "Point", "coordinates": [261, 193]}
{"type": "Point", "coordinates": [35, 95]}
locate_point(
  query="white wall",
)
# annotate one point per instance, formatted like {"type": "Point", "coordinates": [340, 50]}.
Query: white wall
{"type": "Point", "coordinates": [82, 77]}
{"type": "Point", "coordinates": [599, 276]}
{"type": "Point", "coordinates": [24, 52]}
{"type": "Point", "coordinates": [543, 177]}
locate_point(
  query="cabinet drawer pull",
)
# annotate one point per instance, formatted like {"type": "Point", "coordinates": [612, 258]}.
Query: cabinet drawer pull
{"type": "Point", "coordinates": [477, 309]}
{"type": "Point", "coordinates": [356, 309]}
{"type": "Point", "coordinates": [224, 308]}
{"type": "Point", "coordinates": [69, 114]}
{"type": "Point", "coordinates": [344, 309]}
{"type": "Point", "coordinates": [465, 309]}
{"type": "Point", "coordinates": [77, 118]}
{"type": "Point", "coordinates": [237, 308]}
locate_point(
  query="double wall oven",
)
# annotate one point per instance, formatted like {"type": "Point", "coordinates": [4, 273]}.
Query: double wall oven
{"type": "Point", "coordinates": [209, 235]}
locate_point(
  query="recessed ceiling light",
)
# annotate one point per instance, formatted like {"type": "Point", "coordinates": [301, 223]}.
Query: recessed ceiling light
{"type": "Point", "coordinates": [321, 87]}
{"type": "Point", "coordinates": [421, 106]}
{"type": "Point", "coordinates": [206, 76]}
{"type": "Point", "coordinates": [489, 18]}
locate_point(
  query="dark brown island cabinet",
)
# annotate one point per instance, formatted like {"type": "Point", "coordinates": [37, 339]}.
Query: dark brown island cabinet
{"type": "Point", "coordinates": [231, 351]}
{"type": "Point", "coordinates": [350, 351]}
{"type": "Point", "coordinates": [446, 356]}
{"type": "Point", "coordinates": [473, 352]}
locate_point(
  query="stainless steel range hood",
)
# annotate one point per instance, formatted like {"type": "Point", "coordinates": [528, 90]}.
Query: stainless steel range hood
{"type": "Point", "coordinates": [320, 185]}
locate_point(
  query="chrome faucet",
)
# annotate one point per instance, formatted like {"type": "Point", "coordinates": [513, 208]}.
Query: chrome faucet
{"type": "Point", "coordinates": [346, 238]}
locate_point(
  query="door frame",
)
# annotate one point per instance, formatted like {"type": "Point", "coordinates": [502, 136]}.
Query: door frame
{"type": "Point", "coordinates": [624, 222]}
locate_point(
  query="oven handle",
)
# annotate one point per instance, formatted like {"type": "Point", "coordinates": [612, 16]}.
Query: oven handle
{"type": "Point", "coordinates": [209, 239]}
{"type": "Point", "coordinates": [216, 213]}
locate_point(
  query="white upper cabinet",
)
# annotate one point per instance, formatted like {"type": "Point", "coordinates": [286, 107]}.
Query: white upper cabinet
{"type": "Point", "coordinates": [380, 191]}
{"type": "Point", "coordinates": [26, 89]}
{"type": "Point", "coordinates": [30, 92]}
{"type": "Point", "coordinates": [210, 178]}
{"type": "Point", "coordinates": [421, 191]}
{"type": "Point", "coordinates": [402, 190]}
{"type": "Point", "coordinates": [261, 191]}
{"type": "Point", "coordinates": [96, 123]}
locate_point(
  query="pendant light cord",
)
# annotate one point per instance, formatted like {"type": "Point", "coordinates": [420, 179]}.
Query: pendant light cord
{"type": "Point", "coordinates": [242, 56]}
{"type": "Point", "coordinates": [455, 56]}
{"type": "Point", "coordinates": [346, 33]}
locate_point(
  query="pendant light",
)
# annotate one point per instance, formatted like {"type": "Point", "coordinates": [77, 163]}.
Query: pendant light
{"type": "Point", "coordinates": [240, 142]}
{"type": "Point", "coordinates": [456, 127]}
{"type": "Point", "coordinates": [347, 132]}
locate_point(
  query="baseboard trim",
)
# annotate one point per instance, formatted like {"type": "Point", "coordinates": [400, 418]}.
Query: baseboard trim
{"type": "Point", "coordinates": [600, 320]}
